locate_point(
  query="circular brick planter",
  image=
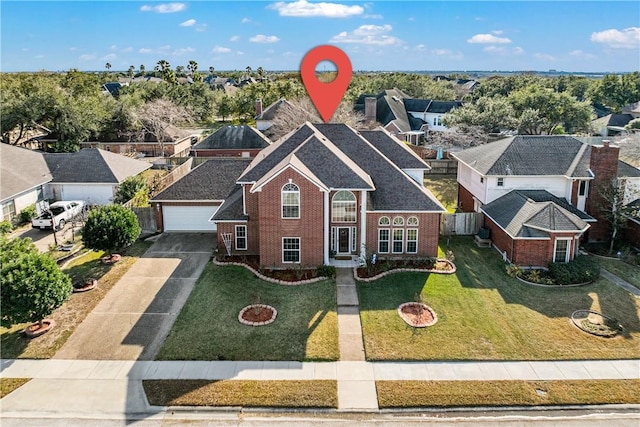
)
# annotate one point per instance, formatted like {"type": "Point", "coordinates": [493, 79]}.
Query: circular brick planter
{"type": "Point", "coordinates": [85, 286]}
{"type": "Point", "coordinates": [417, 314]}
{"type": "Point", "coordinates": [257, 315]}
{"type": "Point", "coordinates": [608, 328]}
{"type": "Point", "coordinates": [34, 330]}
{"type": "Point", "coordinates": [111, 259]}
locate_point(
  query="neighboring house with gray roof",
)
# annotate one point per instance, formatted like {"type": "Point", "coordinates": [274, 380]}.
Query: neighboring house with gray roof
{"type": "Point", "coordinates": [189, 203]}
{"type": "Point", "coordinates": [559, 169]}
{"type": "Point", "coordinates": [24, 176]}
{"type": "Point", "coordinates": [403, 116]}
{"type": "Point", "coordinates": [326, 190]}
{"type": "Point", "coordinates": [231, 141]}
{"type": "Point", "coordinates": [90, 175]}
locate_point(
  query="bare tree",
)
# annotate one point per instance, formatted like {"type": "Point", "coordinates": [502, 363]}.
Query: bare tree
{"type": "Point", "coordinates": [157, 116]}
{"type": "Point", "coordinates": [292, 114]}
{"type": "Point", "coordinates": [461, 136]}
{"type": "Point", "coordinates": [615, 205]}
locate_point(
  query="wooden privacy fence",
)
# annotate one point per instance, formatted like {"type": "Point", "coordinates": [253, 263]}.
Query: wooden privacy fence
{"type": "Point", "coordinates": [461, 224]}
{"type": "Point", "coordinates": [146, 218]}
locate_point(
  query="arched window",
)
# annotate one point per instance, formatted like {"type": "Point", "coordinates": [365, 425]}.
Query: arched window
{"type": "Point", "coordinates": [412, 221]}
{"type": "Point", "coordinates": [398, 221]}
{"type": "Point", "coordinates": [343, 207]}
{"type": "Point", "coordinates": [384, 220]}
{"type": "Point", "coordinates": [290, 201]}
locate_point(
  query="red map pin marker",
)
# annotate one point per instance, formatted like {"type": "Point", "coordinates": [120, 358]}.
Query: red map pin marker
{"type": "Point", "coordinates": [326, 96]}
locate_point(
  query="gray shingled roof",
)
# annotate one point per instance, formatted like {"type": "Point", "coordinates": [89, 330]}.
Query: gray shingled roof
{"type": "Point", "coordinates": [92, 165]}
{"type": "Point", "coordinates": [399, 154]}
{"type": "Point", "coordinates": [211, 180]}
{"type": "Point", "coordinates": [625, 170]}
{"type": "Point", "coordinates": [271, 111]}
{"type": "Point", "coordinates": [521, 217]}
{"type": "Point", "coordinates": [528, 155]}
{"type": "Point", "coordinates": [545, 196]}
{"type": "Point", "coordinates": [241, 137]}
{"type": "Point", "coordinates": [21, 170]}
{"type": "Point", "coordinates": [231, 209]}
{"type": "Point", "coordinates": [395, 191]}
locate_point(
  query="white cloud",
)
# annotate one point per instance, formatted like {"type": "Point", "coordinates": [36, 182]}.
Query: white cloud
{"type": "Point", "coordinates": [245, 21]}
{"type": "Point", "coordinates": [164, 8]}
{"type": "Point", "coordinates": [495, 50]}
{"type": "Point", "coordinates": [201, 27]}
{"type": "Point", "coordinates": [488, 38]}
{"type": "Point", "coordinates": [580, 54]}
{"type": "Point", "coordinates": [127, 49]}
{"type": "Point", "coordinates": [497, 32]}
{"type": "Point", "coordinates": [517, 50]}
{"type": "Point", "coordinates": [261, 38]}
{"type": "Point", "coordinates": [373, 16]}
{"type": "Point", "coordinates": [109, 57]}
{"type": "Point", "coordinates": [145, 50]}
{"type": "Point", "coordinates": [220, 49]}
{"type": "Point", "coordinates": [420, 46]}
{"type": "Point", "coordinates": [163, 50]}
{"type": "Point", "coordinates": [87, 57]}
{"type": "Point", "coordinates": [234, 38]}
{"type": "Point", "coordinates": [629, 38]}
{"type": "Point", "coordinates": [39, 56]}
{"type": "Point", "coordinates": [544, 56]}
{"type": "Point", "coordinates": [183, 50]}
{"type": "Point", "coordinates": [239, 52]}
{"type": "Point", "coordinates": [446, 53]}
{"type": "Point", "coordinates": [188, 23]}
{"type": "Point", "coordinates": [368, 34]}
{"type": "Point", "coordinates": [302, 8]}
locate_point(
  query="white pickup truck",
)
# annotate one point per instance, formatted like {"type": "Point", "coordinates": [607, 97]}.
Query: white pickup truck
{"type": "Point", "coordinates": [62, 212]}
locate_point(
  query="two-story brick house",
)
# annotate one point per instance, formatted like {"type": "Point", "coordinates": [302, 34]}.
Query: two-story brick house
{"type": "Point", "coordinates": [328, 190]}
{"type": "Point", "coordinates": [539, 194]}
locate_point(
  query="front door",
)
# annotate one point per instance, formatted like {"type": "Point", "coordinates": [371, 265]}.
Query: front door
{"type": "Point", "coordinates": [344, 244]}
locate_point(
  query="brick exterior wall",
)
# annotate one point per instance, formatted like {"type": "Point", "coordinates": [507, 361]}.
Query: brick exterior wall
{"type": "Point", "coordinates": [527, 252]}
{"type": "Point", "coordinates": [428, 232]}
{"type": "Point", "coordinates": [632, 233]}
{"type": "Point", "coordinates": [574, 192]}
{"type": "Point", "coordinates": [309, 227]}
{"type": "Point", "coordinates": [465, 199]}
{"type": "Point", "coordinates": [604, 164]}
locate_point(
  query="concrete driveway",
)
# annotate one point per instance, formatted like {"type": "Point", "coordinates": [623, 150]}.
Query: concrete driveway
{"type": "Point", "coordinates": [134, 318]}
{"type": "Point", "coordinates": [43, 239]}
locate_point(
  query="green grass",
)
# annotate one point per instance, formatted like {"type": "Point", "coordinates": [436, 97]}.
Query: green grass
{"type": "Point", "coordinates": [445, 188]}
{"type": "Point", "coordinates": [7, 385]}
{"type": "Point", "coordinates": [625, 271]}
{"type": "Point", "coordinates": [485, 315]}
{"type": "Point", "coordinates": [407, 394]}
{"type": "Point", "coordinates": [287, 394]}
{"type": "Point", "coordinates": [306, 327]}
{"type": "Point", "coordinates": [75, 309]}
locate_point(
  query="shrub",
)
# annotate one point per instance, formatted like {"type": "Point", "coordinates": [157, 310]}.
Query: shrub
{"type": "Point", "coordinates": [128, 189]}
{"type": "Point", "coordinates": [28, 213]}
{"type": "Point", "coordinates": [32, 283]}
{"type": "Point", "coordinates": [5, 227]}
{"type": "Point", "coordinates": [326, 271]}
{"type": "Point", "coordinates": [580, 270]}
{"type": "Point", "coordinates": [110, 228]}
{"type": "Point", "coordinates": [513, 270]}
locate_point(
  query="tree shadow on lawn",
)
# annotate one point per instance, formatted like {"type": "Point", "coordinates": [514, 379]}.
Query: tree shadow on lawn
{"type": "Point", "coordinates": [208, 328]}
{"type": "Point", "coordinates": [483, 268]}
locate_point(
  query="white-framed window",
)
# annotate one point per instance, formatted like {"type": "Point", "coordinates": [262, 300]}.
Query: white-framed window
{"type": "Point", "coordinates": [384, 220]}
{"type": "Point", "coordinates": [9, 210]}
{"type": "Point", "coordinates": [437, 121]}
{"type": "Point", "coordinates": [412, 241]}
{"type": "Point", "coordinates": [343, 207]}
{"type": "Point", "coordinates": [398, 221]}
{"type": "Point", "coordinates": [291, 249]}
{"type": "Point", "coordinates": [290, 201]}
{"type": "Point", "coordinates": [582, 188]}
{"type": "Point", "coordinates": [561, 250]}
{"type": "Point", "coordinates": [398, 241]}
{"type": "Point", "coordinates": [383, 240]}
{"type": "Point", "coordinates": [241, 237]}
{"type": "Point", "coordinates": [412, 221]}
{"type": "Point", "coordinates": [501, 182]}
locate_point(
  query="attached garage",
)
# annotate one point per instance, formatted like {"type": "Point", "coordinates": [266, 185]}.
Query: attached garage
{"type": "Point", "coordinates": [188, 218]}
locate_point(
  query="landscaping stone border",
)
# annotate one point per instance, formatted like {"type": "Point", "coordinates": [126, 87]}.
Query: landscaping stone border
{"type": "Point", "coordinates": [252, 306]}
{"type": "Point", "coordinates": [542, 285]}
{"type": "Point", "coordinates": [579, 326]}
{"type": "Point", "coordinates": [424, 307]}
{"type": "Point", "coordinates": [271, 279]}
{"type": "Point", "coordinates": [405, 270]}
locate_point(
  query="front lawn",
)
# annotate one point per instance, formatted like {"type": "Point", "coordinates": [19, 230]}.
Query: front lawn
{"type": "Point", "coordinates": [75, 309]}
{"type": "Point", "coordinates": [485, 315]}
{"type": "Point", "coordinates": [623, 270]}
{"type": "Point", "coordinates": [306, 327]}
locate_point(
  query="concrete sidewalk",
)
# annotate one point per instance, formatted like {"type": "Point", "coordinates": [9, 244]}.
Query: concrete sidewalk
{"type": "Point", "coordinates": [114, 387]}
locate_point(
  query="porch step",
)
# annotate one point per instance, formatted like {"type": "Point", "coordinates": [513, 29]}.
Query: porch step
{"type": "Point", "coordinates": [343, 257]}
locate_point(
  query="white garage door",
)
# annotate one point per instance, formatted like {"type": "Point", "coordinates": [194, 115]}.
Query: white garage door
{"type": "Point", "coordinates": [188, 218]}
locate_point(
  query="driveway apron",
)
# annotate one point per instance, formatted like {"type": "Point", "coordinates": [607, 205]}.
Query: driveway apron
{"type": "Point", "coordinates": [134, 318]}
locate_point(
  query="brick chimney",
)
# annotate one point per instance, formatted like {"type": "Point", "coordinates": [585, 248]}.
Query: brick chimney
{"type": "Point", "coordinates": [258, 107]}
{"type": "Point", "coordinates": [370, 108]}
{"type": "Point", "coordinates": [604, 165]}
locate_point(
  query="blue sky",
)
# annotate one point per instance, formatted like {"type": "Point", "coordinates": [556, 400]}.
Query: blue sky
{"type": "Point", "coordinates": [574, 36]}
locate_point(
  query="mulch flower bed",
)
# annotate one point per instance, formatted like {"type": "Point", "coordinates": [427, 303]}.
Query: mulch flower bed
{"type": "Point", "coordinates": [257, 315]}
{"type": "Point", "coordinates": [417, 314]}
{"type": "Point", "coordinates": [286, 275]}
{"type": "Point", "coordinates": [596, 323]}
{"type": "Point", "coordinates": [432, 265]}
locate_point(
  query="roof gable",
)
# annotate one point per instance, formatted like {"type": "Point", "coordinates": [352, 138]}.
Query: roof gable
{"type": "Point", "coordinates": [21, 170]}
{"type": "Point", "coordinates": [232, 137]}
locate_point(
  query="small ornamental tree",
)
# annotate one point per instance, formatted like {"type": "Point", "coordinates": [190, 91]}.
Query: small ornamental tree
{"type": "Point", "coordinates": [128, 189]}
{"type": "Point", "coordinates": [110, 228]}
{"type": "Point", "coordinates": [32, 284]}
